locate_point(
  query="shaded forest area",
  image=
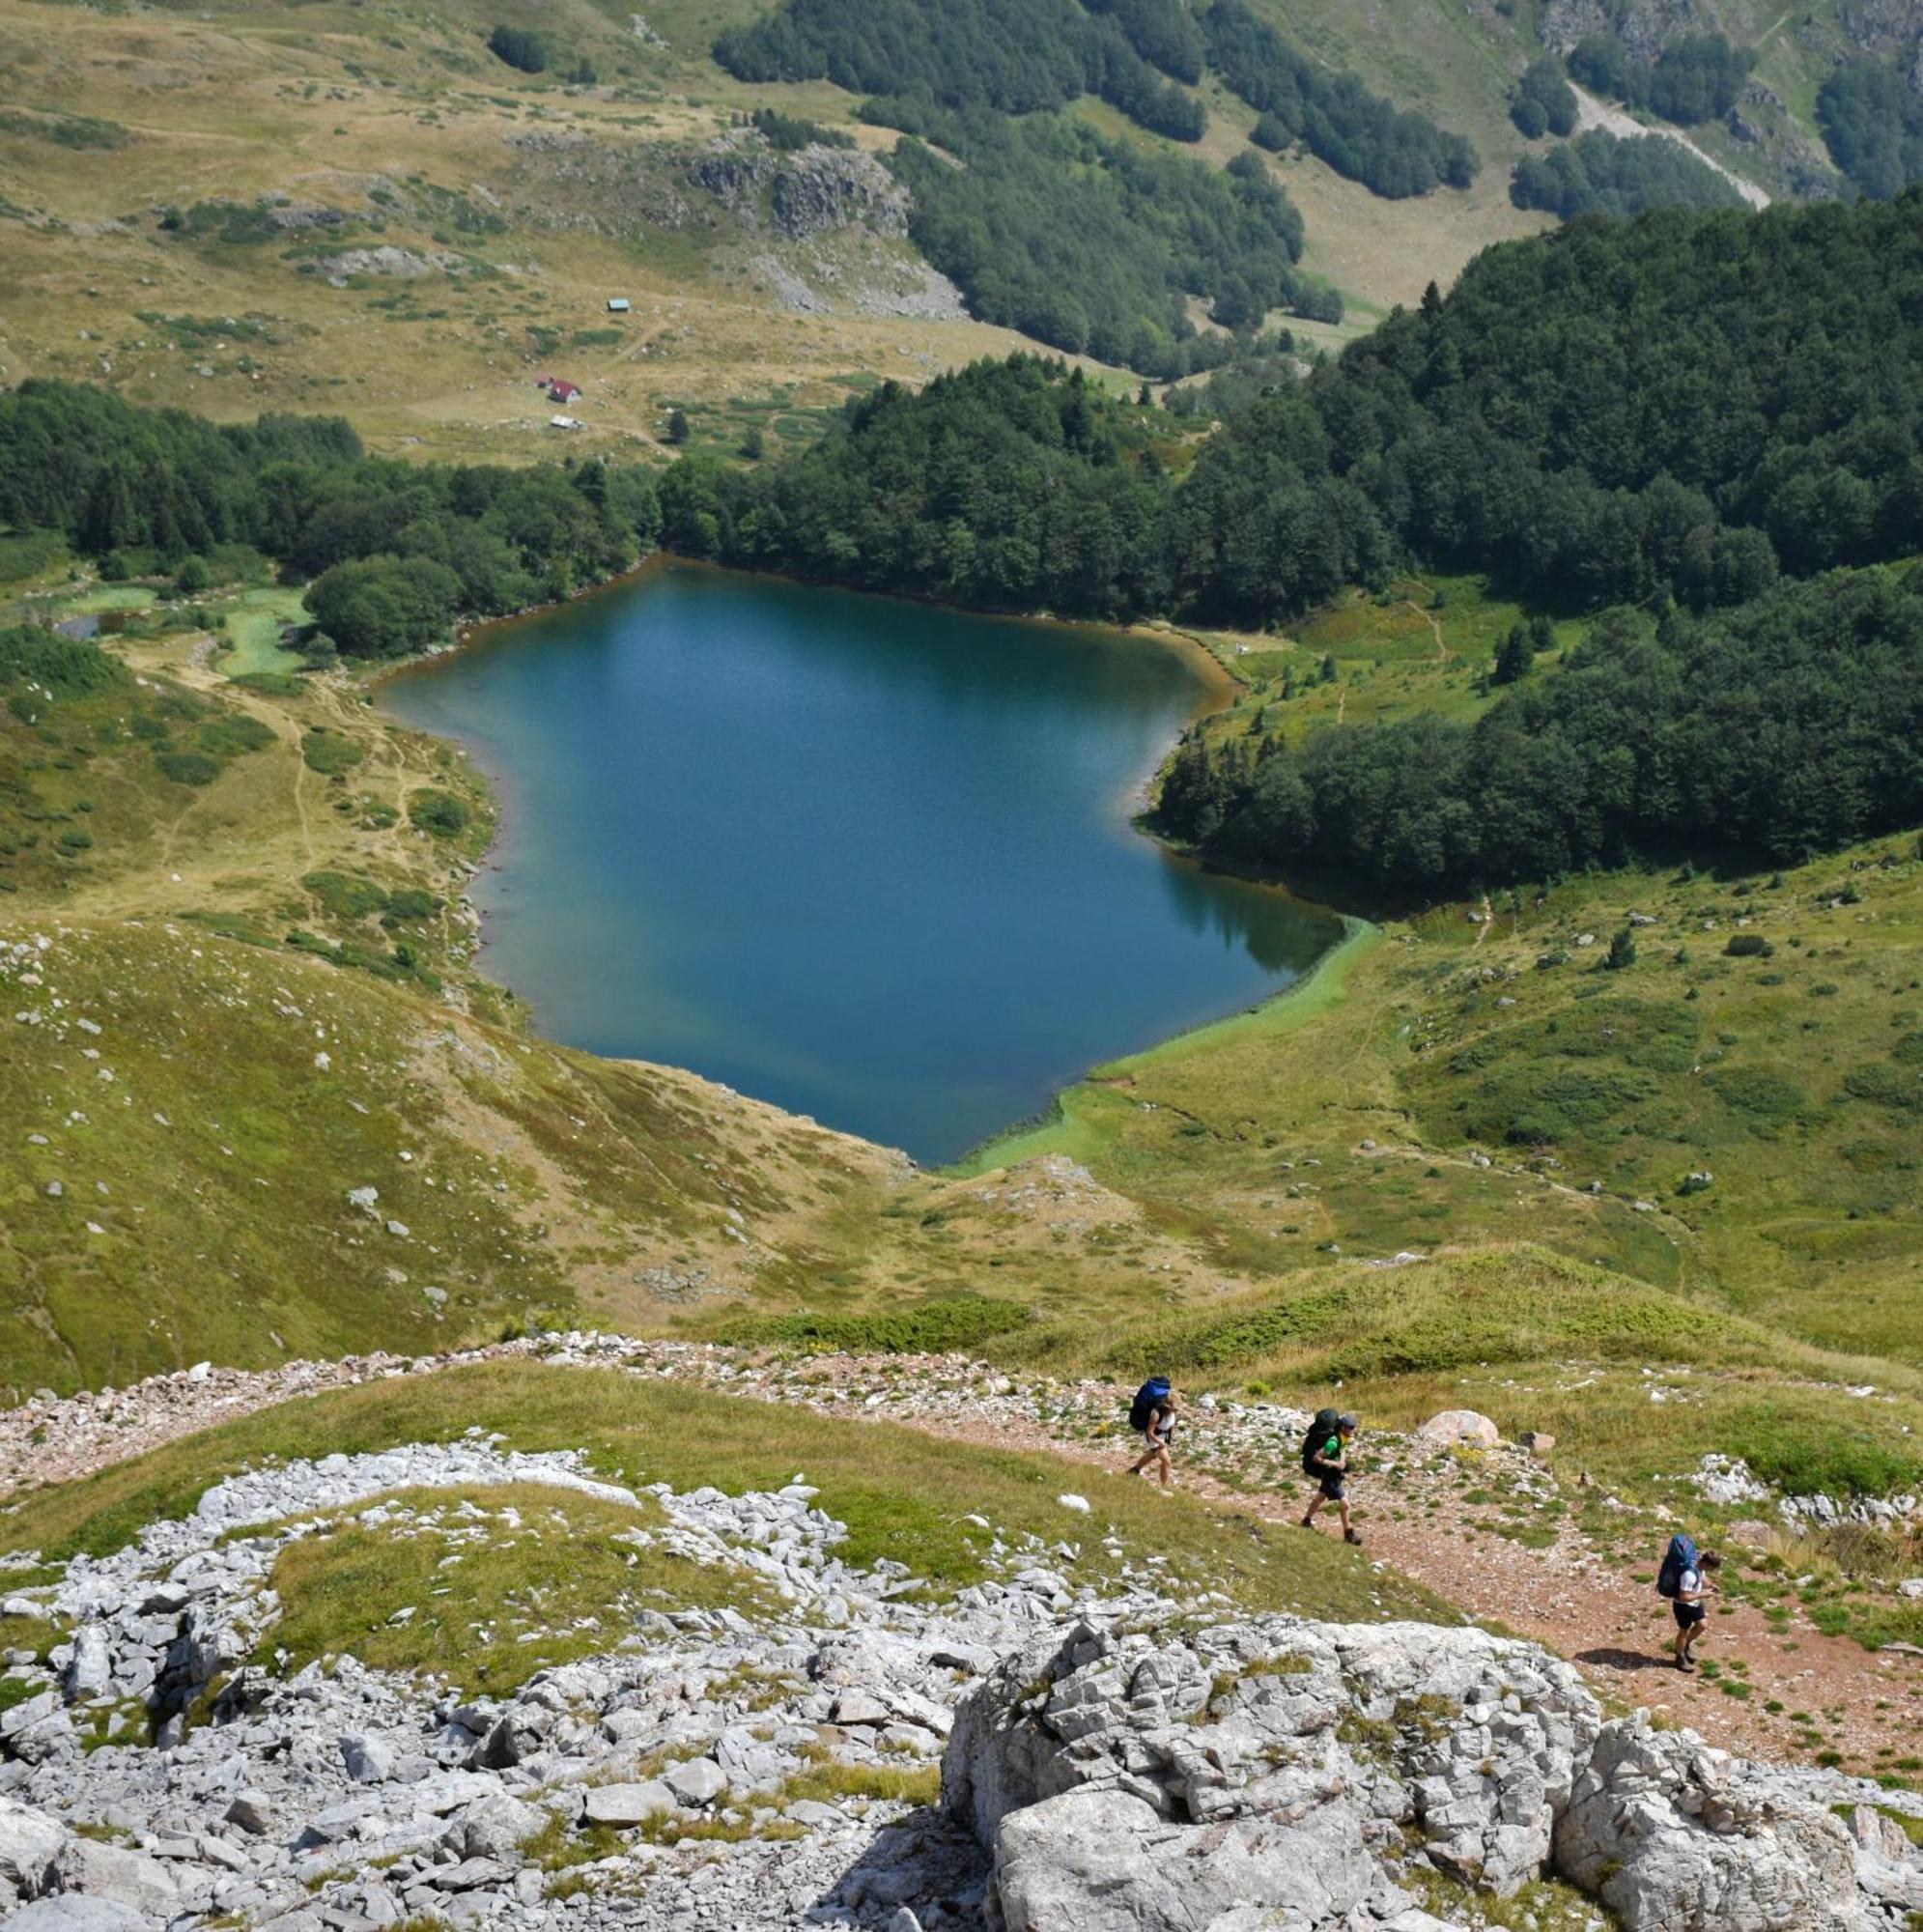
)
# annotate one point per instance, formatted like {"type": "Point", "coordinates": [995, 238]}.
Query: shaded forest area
{"type": "Point", "coordinates": [1095, 245]}
{"type": "Point", "coordinates": [1871, 120]}
{"type": "Point", "coordinates": [1333, 115]}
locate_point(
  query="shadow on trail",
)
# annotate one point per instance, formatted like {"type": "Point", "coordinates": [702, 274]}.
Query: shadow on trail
{"type": "Point", "coordinates": [1607, 1658]}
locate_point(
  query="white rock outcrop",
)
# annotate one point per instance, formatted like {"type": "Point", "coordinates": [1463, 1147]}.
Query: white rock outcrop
{"type": "Point", "coordinates": [1276, 1773]}
{"type": "Point", "coordinates": [1273, 1761]}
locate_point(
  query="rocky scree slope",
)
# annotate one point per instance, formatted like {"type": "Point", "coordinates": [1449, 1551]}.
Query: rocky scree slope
{"type": "Point", "coordinates": [1112, 1757]}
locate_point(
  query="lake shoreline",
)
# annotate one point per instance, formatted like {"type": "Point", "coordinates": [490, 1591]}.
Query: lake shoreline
{"type": "Point", "coordinates": [1215, 687]}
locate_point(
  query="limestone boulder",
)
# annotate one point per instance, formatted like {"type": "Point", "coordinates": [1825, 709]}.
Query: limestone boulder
{"type": "Point", "coordinates": [1673, 1835]}
{"type": "Point", "coordinates": [1273, 1761]}
{"type": "Point", "coordinates": [1456, 1428]}
{"type": "Point", "coordinates": [30, 1845]}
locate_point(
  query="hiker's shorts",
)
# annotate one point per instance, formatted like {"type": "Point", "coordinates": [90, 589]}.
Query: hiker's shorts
{"type": "Point", "coordinates": [1332, 1487]}
{"type": "Point", "coordinates": [1689, 1615]}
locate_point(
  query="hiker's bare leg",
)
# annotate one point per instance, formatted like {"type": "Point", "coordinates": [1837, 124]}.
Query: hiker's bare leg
{"type": "Point", "coordinates": [1168, 1468]}
{"type": "Point", "coordinates": [1342, 1506]}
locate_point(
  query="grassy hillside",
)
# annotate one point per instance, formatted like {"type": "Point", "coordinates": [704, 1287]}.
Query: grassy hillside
{"type": "Point", "coordinates": [1460, 1082]}
{"type": "Point", "coordinates": [362, 210]}
{"type": "Point", "coordinates": [238, 1003]}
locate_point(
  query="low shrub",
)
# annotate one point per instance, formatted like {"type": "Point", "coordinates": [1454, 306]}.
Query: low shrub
{"type": "Point", "coordinates": [342, 896]}
{"type": "Point", "coordinates": [187, 768]}
{"type": "Point", "coordinates": [329, 753]}
{"type": "Point", "coordinates": [439, 812]}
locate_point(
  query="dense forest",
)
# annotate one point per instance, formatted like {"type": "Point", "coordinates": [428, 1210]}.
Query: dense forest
{"type": "Point", "coordinates": [1680, 404]}
{"type": "Point", "coordinates": [1333, 115]}
{"type": "Point", "coordinates": [1692, 80]}
{"type": "Point", "coordinates": [395, 550]}
{"type": "Point", "coordinates": [1871, 120]}
{"type": "Point", "coordinates": [1600, 174]}
{"type": "Point", "coordinates": [1088, 243]}
{"type": "Point", "coordinates": [1684, 406]}
{"type": "Point", "coordinates": [1781, 729]}
{"type": "Point", "coordinates": [1008, 485]}
{"type": "Point", "coordinates": [1015, 56]}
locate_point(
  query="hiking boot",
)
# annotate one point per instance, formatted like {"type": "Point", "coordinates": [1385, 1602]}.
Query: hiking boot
{"type": "Point", "coordinates": [1351, 1535]}
{"type": "Point", "coordinates": [1308, 1522]}
{"type": "Point", "coordinates": [1684, 1665]}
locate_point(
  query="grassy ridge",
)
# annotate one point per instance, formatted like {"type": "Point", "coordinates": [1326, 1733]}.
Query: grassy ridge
{"type": "Point", "coordinates": [902, 1495]}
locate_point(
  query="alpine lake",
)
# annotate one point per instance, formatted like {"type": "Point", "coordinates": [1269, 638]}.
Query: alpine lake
{"type": "Point", "coordinates": [868, 859]}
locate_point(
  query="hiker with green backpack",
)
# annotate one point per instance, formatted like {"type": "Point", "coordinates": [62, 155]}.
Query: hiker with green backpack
{"type": "Point", "coordinates": [1325, 1448]}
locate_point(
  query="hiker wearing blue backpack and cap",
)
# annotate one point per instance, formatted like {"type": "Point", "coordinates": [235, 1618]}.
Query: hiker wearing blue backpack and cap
{"type": "Point", "coordinates": [1153, 1416]}
{"type": "Point", "coordinates": [1684, 1579]}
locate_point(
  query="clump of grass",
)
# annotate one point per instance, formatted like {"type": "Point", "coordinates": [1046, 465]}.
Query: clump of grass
{"type": "Point", "coordinates": [829, 1780]}
{"type": "Point", "coordinates": [331, 754]}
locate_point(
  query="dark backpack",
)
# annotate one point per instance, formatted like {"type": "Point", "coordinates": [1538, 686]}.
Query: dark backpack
{"type": "Point", "coordinates": [1680, 1555]}
{"type": "Point", "coordinates": [1149, 1398]}
{"type": "Point", "coordinates": [1327, 1423]}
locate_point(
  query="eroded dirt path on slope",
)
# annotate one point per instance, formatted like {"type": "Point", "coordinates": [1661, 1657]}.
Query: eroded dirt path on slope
{"type": "Point", "coordinates": [1430, 1516]}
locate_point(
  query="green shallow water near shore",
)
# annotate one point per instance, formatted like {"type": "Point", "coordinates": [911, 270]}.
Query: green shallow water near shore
{"type": "Point", "coordinates": [864, 858]}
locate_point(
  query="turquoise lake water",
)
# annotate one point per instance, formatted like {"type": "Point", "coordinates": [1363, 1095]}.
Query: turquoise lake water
{"type": "Point", "coordinates": [866, 860]}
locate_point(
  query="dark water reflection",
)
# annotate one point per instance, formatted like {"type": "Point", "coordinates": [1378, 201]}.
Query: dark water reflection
{"type": "Point", "coordinates": [866, 860]}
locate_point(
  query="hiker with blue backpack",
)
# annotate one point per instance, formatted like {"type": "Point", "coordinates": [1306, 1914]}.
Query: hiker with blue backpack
{"type": "Point", "coordinates": [1153, 1416]}
{"type": "Point", "coordinates": [1684, 1579]}
{"type": "Point", "coordinates": [1325, 1447]}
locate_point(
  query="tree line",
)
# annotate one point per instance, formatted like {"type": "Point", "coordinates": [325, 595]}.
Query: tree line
{"type": "Point", "coordinates": [1781, 729]}
{"type": "Point", "coordinates": [394, 550]}
{"type": "Point", "coordinates": [1015, 56]}
{"type": "Point", "coordinates": [1358, 133]}
{"type": "Point", "coordinates": [1692, 80]}
{"type": "Point", "coordinates": [1872, 121]}
{"type": "Point", "coordinates": [1682, 406]}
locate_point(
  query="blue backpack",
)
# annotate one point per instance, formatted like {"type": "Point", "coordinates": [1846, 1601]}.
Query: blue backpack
{"type": "Point", "coordinates": [1149, 1398]}
{"type": "Point", "coordinates": [1680, 1555]}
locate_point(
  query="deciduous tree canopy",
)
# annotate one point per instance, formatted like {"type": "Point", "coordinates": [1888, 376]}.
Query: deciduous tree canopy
{"type": "Point", "coordinates": [1600, 174]}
